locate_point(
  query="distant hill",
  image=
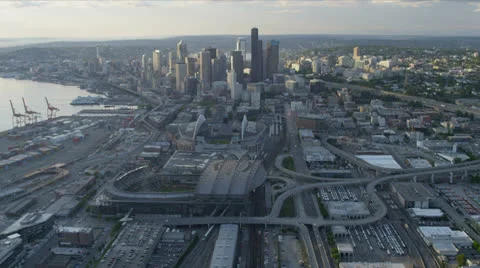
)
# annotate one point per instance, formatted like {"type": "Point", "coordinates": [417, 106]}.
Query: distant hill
{"type": "Point", "coordinates": [227, 42]}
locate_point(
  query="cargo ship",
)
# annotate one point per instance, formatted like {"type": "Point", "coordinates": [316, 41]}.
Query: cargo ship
{"type": "Point", "coordinates": [89, 100]}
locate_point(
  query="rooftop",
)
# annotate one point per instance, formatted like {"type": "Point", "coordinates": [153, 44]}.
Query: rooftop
{"type": "Point", "coordinates": [426, 212]}
{"type": "Point", "coordinates": [224, 251]}
{"type": "Point", "coordinates": [27, 220]}
{"type": "Point", "coordinates": [188, 162]}
{"type": "Point", "coordinates": [419, 163]}
{"type": "Point", "coordinates": [318, 154]}
{"type": "Point", "coordinates": [384, 161]}
{"type": "Point", "coordinates": [67, 229]}
{"type": "Point", "coordinates": [7, 245]}
{"type": "Point", "coordinates": [347, 208]}
{"type": "Point", "coordinates": [412, 191]}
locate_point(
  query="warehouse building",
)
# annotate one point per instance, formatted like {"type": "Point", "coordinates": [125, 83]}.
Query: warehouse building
{"type": "Point", "coordinates": [444, 240]}
{"type": "Point", "coordinates": [316, 156]}
{"type": "Point", "coordinates": [425, 213]}
{"type": "Point", "coordinates": [75, 236]}
{"type": "Point", "coordinates": [343, 210]}
{"type": "Point", "coordinates": [412, 195]}
{"type": "Point", "coordinates": [225, 247]}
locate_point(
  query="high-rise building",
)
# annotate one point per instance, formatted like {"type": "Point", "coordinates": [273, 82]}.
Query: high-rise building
{"type": "Point", "coordinates": [212, 51]}
{"type": "Point", "coordinates": [356, 54]}
{"type": "Point", "coordinates": [205, 70]}
{"type": "Point", "coordinates": [190, 66]}
{"type": "Point", "coordinates": [180, 74]}
{"type": "Point", "coordinates": [220, 67]}
{"type": "Point", "coordinates": [144, 61]}
{"type": "Point", "coordinates": [236, 61]}
{"type": "Point", "coordinates": [157, 58]}
{"type": "Point", "coordinates": [182, 51]}
{"type": "Point", "coordinates": [256, 62]}
{"type": "Point", "coordinates": [242, 46]}
{"type": "Point", "coordinates": [171, 61]}
{"type": "Point", "coordinates": [191, 84]}
{"type": "Point", "coordinates": [98, 51]}
{"type": "Point", "coordinates": [273, 56]}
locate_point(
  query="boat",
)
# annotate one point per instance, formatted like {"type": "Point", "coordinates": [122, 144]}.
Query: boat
{"type": "Point", "coordinates": [89, 100]}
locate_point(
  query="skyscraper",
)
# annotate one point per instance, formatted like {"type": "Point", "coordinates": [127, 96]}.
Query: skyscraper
{"type": "Point", "coordinates": [221, 69]}
{"type": "Point", "coordinates": [171, 61]}
{"type": "Point", "coordinates": [157, 58]}
{"type": "Point", "coordinates": [257, 57]}
{"type": "Point", "coordinates": [272, 57]}
{"type": "Point", "coordinates": [205, 70]}
{"type": "Point", "coordinates": [236, 61]}
{"type": "Point", "coordinates": [144, 61]}
{"type": "Point", "coordinates": [98, 51]}
{"type": "Point", "coordinates": [180, 74]}
{"type": "Point", "coordinates": [182, 52]}
{"type": "Point", "coordinates": [190, 66]}
{"type": "Point", "coordinates": [356, 55]}
{"type": "Point", "coordinates": [242, 46]}
{"type": "Point", "coordinates": [212, 51]}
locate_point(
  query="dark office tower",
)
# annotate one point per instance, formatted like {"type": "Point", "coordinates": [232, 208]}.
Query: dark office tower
{"type": "Point", "coordinates": [212, 51]}
{"type": "Point", "coordinates": [273, 55]}
{"type": "Point", "coordinates": [221, 67]}
{"type": "Point", "coordinates": [190, 66]}
{"type": "Point", "coordinates": [191, 86]}
{"type": "Point", "coordinates": [256, 59]}
{"type": "Point", "coordinates": [205, 70]}
{"type": "Point", "coordinates": [237, 65]}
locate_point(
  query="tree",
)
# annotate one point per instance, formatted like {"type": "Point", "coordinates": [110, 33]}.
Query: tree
{"type": "Point", "coordinates": [457, 160]}
{"type": "Point", "coordinates": [461, 261]}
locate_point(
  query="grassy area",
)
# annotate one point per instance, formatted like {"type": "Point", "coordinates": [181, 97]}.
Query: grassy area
{"type": "Point", "coordinates": [288, 208]}
{"type": "Point", "coordinates": [322, 208]}
{"type": "Point", "coordinates": [288, 163]}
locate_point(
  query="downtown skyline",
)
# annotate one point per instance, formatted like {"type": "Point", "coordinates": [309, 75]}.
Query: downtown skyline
{"type": "Point", "coordinates": [103, 20]}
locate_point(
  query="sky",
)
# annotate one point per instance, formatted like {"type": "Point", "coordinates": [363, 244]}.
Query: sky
{"type": "Point", "coordinates": [136, 19]}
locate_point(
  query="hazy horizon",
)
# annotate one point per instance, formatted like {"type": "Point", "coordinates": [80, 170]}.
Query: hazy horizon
{"type": "Point", "coordinates": [143, 19]}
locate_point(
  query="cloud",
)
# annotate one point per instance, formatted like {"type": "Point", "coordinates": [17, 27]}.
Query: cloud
{"type": "Point", "coordinates": [406, 3]}
{"type": "Point", "coordinates": [476, 6]}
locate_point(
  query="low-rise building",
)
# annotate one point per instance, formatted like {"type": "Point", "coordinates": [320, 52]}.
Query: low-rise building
{"type": "Point", "coordinates": [225, 247]}
{"type": "Point", "coordinates": [75, 236]}
{"type": "Point", "coordinates": [412, 195]}
{"type": "Point", "coordinates": [346, 210]}
{"type": "Point", "coordinates": [30, 225]}
{"type": "Point", "coordinates": [444, 240]}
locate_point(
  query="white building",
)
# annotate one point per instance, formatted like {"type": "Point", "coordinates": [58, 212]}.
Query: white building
{"type": "Point", "coordinates": [444, 240]}
{"type": "Point", "coordinates": [385, 63]}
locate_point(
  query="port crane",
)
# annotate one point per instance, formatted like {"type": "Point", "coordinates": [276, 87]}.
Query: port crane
{"type": "Point", "coordinates": [31, 115]}
{"type": "Point", "coordinates": [51, 111]}
{"type": "Point", "coordinates": [18, 119]}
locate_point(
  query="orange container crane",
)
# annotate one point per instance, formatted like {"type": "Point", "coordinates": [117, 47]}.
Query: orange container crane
{"type": "Point", "coordinates": [17, 119]}
{"type": "Point", "coordinates": [31, 115]}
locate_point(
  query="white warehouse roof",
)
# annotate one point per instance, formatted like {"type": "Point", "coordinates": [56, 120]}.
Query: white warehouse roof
{"type": "Point", "coordinates": [384, 161]}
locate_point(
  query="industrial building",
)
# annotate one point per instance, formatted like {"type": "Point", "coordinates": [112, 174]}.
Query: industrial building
{"type": "Point", "coordinates": [317, 156]}
{"type": "Point", "coordinates": [30, 225]}
{"type": "Point", "coordinates": [343, 210]}
{"type": "Point", "coordinates": [444, 240]}
{"type": "Point", "coordinates": [75, 236]}
{"type": "Point", "coordinates": [11, 251]}
{"type": "Point", "coordinates": [412, 195]}
{"type": "Point", "coordinates": [425, 213]}
{"type": "Point", "coordinates": [225, 247]}
{"type": "Point", "coordinates": [345, 250]}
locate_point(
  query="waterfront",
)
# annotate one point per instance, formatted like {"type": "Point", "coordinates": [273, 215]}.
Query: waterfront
{"type": "Point", "coordinates": [34, 93]}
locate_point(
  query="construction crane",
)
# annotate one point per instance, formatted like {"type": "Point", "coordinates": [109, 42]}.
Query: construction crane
{"type": "Point", "coordinates": [31, 115]}
{"type": "Point", "coordinates": [17, 119]}
{"type": "Point", "coordinates": [51, 111]}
